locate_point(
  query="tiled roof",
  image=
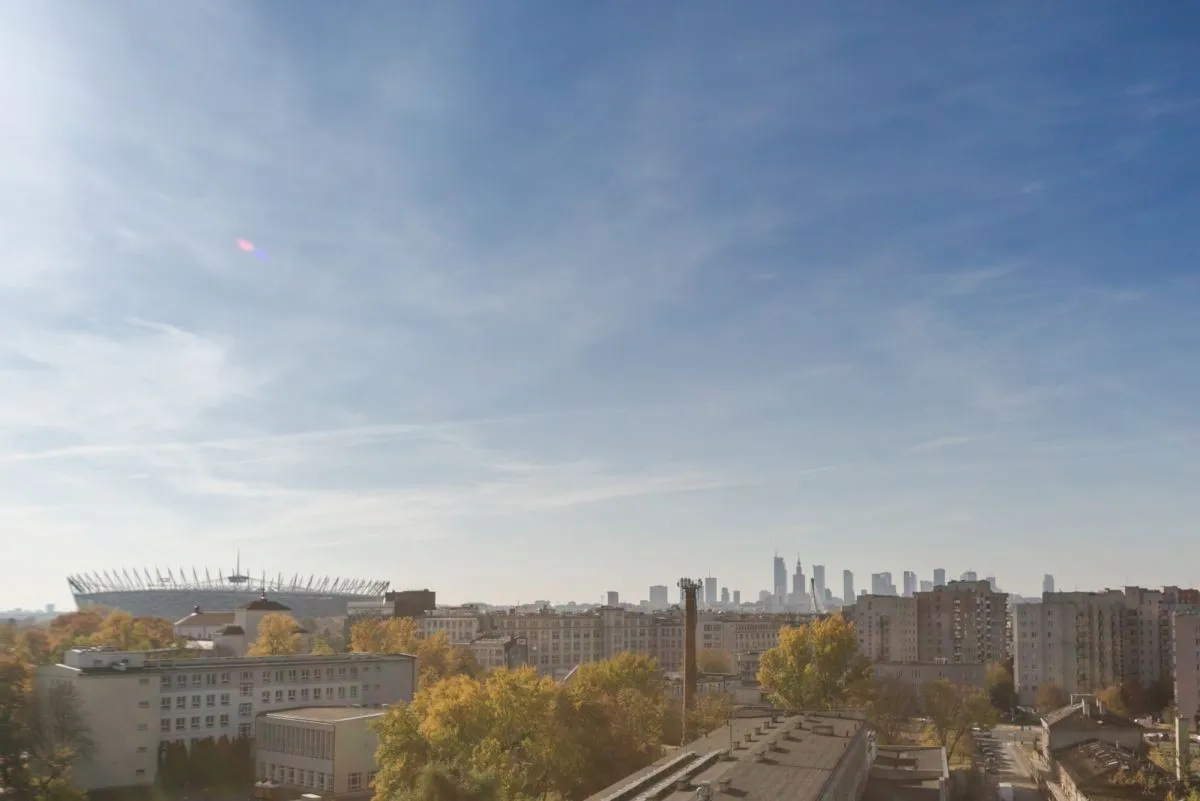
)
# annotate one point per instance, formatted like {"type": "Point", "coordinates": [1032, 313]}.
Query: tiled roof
{"type": "Point", "coordinates": [1074, 717]}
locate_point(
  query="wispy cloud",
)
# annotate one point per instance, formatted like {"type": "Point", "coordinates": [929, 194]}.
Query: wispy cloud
{"type": "Point", "coordinates": [529, 286]}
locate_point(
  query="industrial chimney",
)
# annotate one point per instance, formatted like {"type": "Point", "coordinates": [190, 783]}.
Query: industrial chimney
{"type": "Point", "coordinates": [1182, 758]}
{"type": "Point", "coordinates": [690, 588]}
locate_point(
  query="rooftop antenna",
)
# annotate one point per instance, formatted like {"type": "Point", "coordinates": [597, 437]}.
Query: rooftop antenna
{"type": "Point", "coordinates": [238, 577]}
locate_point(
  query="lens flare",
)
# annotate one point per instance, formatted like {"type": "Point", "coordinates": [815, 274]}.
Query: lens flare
{"type": "Point", "coordinates": [246, 245]}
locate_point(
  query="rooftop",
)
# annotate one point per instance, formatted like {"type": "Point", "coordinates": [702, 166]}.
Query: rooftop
{"type": "Point", "coordinates": [1087, 716]}
{"type": "Point", "coordinates": [198, 618]}
{"type": "Point", "coordinates": [907, 772]}
{"type": "Point", "coordinates": [789, 759]}
{"type": "Point", "coordinates": [1096, 769]}
{"type": "Point", "coordinates": [107, 660]}
{"type": "Point", "coordinates": [326, 714]}
{"type": "Point", "coordinates": [262, 604]}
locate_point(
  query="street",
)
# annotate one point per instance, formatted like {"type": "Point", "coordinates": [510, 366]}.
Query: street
{"type": "Point", "coordinates": [1000, 753]}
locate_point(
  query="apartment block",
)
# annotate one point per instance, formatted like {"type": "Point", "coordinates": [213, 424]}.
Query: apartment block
{"type": "Point", "coordinates": [135, 700]}
{"type": "Point", "coordinates": [1185, 662]}
{"type": "Point", "coordinates": [962, 622]}
{"type": "Point", "coordinates": [1079, 641]}
{"type": "Point", "coordinates": [886, 628]}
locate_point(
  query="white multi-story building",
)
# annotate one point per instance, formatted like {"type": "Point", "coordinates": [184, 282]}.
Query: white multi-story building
{"type": "Point", "coordinates": [135, 700]}
{"type": "Point", "coordinates": [461, 624]}
{"type": "Point", "coordinates": [330, 749]}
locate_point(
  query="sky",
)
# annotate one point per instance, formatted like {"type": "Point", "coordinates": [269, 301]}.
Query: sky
{"type": "Point", "coordinates": [558, 298]}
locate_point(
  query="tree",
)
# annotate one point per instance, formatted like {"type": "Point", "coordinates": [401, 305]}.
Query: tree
{"type": "Point", "coordinates": [320, 647]}
{"type": "Point", "coordinates": [117, 632]}
{"type": "Point", "coordinates": [370, 635]}
{"type": "Point", "coordinates": [813, 666]}
{"type": "Point", "coordinates": [713, 660]}
{"type": "Point", "coordinates": [30, 767]}
{"type": "Point", "coordinates": [1050, 697]}
{"type": "Point", "coordinates": [33, 647]}
{"type": "Point", "coordinates": [999, 685]}
{"type": "Point", "coordinates": [952, 710]}
{"type": "Point", "coordinates": [154, 632]}
{"type": "Point", "coordinates": [58, 724]}
{"type": "Point", "coordinates": [890, 703]}
{"type": "Point", "coordinates": [278, 635]}
{"type": "Point", "coordinates": [1113, 700]}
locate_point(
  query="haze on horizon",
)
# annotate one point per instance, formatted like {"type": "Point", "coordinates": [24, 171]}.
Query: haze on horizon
{"type": "Point", "coordinates": [559, 298]}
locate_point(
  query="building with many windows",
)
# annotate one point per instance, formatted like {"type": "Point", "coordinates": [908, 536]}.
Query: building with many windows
{"type": "Point", "coordinates": [135, 700]}
{"type": "Point", "coordinates": [322, 749]}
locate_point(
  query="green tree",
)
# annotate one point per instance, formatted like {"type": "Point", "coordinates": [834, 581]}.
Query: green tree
{"type": "Point", "coordinates": [713, 660]}
{"type": "Point", "coordinates": [952, 710]}
{"type": "Point", "coordinates": [1113, 699]}
{"type": "Point", "coordinates": [814, 666]}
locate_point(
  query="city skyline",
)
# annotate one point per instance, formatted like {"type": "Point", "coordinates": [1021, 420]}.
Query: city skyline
{"type": "Point", "coordinates": [546, 299]}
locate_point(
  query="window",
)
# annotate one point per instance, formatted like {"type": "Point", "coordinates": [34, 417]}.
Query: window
{"type": "Point", "coordinates": [291, 775]}
{"type": "Point", "coordinates": [304, 694]}
{"type": "Point", "coordinates": [141, 749]}
{"type": "Point", "coordinates": [354, 672]}
{"type": "Point", "coordinates": [244, 710]}
{"type": "Point", "coordinates": [224, 721]}
{"type": "Point", "coordinates": [210, 700]}
{"type": "Point", "coordinates": [143, 704]}
{"type": "Point", "coordinates": [341, 692]}
{"type": "Point", "coordinates": [225, 677]}
{"type": "Point", "coordinates": [196, 722]}
{"type": "Point", "coordinates": [291, 675]}
{"type": "Point", "coordinates": [304, 675]}
{"type": "Point", "coordinates": [197, 678]}
{"type": "Point", "coordinates": [329, 673]}
{"type": "Point", "coordinates": [165, 703]}
{"type": "Point", "coordinates": [224, 699]}
{"type": "Point", "coordinates": [247, 675]}
{"type": "Point", "coordinates": [308, 778]}
{"type": "Point", "coordinates": [164, 725]}
{"type": "Point", "coordinates": [341, 672]}
{"type": "Point", "coordinates": [279, 676]}
{"type": "Point", "coordinates": [355, 781]}
{"type": "Point", "coordinates": [321, 781]}
{"type": "Point", "coordinates": [266, 677]}
{"type": "Point", "coordinates": [143, 727]}
{"type": "Point", "coordinates": [291, 695]}
{"type": "Point", "coordinates": [195, 702]}
{"type": "Point", "coordinates": [165, 681]}
{"type": "Point", "coordinates": [279, 696]}
{"type": "Point", "coordinates": [209, 721]}
{"type": "Point", "coordinates": [353, 690]}
{"type": "Point", "coordinates": [246, 691]}
{"type": "Point", "coordinates": [266, 696]}
{"type": "Point", "coordinates": [371, 777]}
{"type": "Point", "coordinates": [329, 693]}
{"type": "Point", "coordinates": [245, 729]}
{"type": "Point", "coordinates": [181, 702]}
{"type": "Point", "coordinates": [140, 772]}
{"type": "Point", "coordinates": [210, 679]}
{"type": "Point", "coordinates": [180, 724]}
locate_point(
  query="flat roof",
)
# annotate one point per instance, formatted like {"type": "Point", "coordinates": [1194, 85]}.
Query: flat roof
{"type": "Point", "coordinates": [796, 768]}
{"type": "Point", "coordinates": [325, 714]}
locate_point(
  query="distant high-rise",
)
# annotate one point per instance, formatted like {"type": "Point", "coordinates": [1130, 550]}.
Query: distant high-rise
{"type": "Point", "coordinates": [1047, 583]}
{"type": "Point", "coordinates": [780, 584]}
{"type": "Point", "coordinates": [881, 584]}
{"type": "Point", "coordinates": [710, 591]}
{"type": "Point", "coordinates": [658, 596]}
{"type": "Point", "coordinates": [926, 586]}
{"type": "Point", "coordinates": [910, 583]}
{"type": "Point", "coordinates": [847, 587]}
{"type": "Point", "coordinates": [819, 580]}
{"type": "Point", "coordinates": [799, 588]}
{"type": "Point", "coordinates": [939, 577]}
{"type": "Point", "coordinates": [970, 575]}
{"type": "Point", "coordinates": [614, 598]}
{"type": "Point", "coordinates": [49, 609]}
{"type": "Point", "coordinates": [724, 595]}
{"type": "Point", "coordinates": [991, 580]}
{"type": "Point", "coordinates": [737, 597]}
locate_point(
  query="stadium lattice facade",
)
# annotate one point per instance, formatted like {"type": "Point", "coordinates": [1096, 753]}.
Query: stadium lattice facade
{"type": "Point", "coordinates": [173, 595]}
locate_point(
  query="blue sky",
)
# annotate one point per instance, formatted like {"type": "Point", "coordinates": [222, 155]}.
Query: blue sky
{"type": "Point", "coordinates": [564, 297]}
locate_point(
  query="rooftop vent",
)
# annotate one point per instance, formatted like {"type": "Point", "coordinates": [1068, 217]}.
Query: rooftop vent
{"type": "Point", "coordinates": [723, 784]}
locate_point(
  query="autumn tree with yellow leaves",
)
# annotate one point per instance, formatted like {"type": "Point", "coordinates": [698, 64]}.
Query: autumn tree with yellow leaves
{"type": "Point", "coordinates": [436, 657]}
{"type": "Point", "coordinates": [814, 666]}
{"type": "Point", "coordinates": [278, 635]}
{"type": "Point", "coordinates": [514, 735]}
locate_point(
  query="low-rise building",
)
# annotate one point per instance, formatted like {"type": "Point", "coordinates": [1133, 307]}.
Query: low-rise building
{"type": "Point", "coordinates": [823, 756]}
{"type": "Point", "coordinates": [1084, 721]}
{"type": "Point", "coordinates": [918, 673]}
{"type": "Point", "coordinates": [136, 700]}
{"type": "Point", "coordinates": [201, 625]}
{"type": "Point", "coordinates": [330, 750]}
{"type": "Point", "coordinates": [1096, 770]}
{"type": "Point", "coordinates": [909, 773]}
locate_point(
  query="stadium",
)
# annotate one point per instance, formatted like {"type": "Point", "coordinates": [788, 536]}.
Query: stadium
{"type": "Point", "coordinates": [175, 594]}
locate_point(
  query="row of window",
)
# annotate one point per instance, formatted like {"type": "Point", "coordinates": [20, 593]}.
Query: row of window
{"type": "Point", "coordinates": [317, 780]}
{"type": "Point", "coordinates": [181, 701]}
{"type": "Point", "coordinates": [181, 724]}
{"type": "Point", "coordinates": [281, 676]}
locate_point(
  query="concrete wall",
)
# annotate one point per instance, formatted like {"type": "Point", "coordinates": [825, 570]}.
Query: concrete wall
{"type": "Point", "coordinates": [354, 747]}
